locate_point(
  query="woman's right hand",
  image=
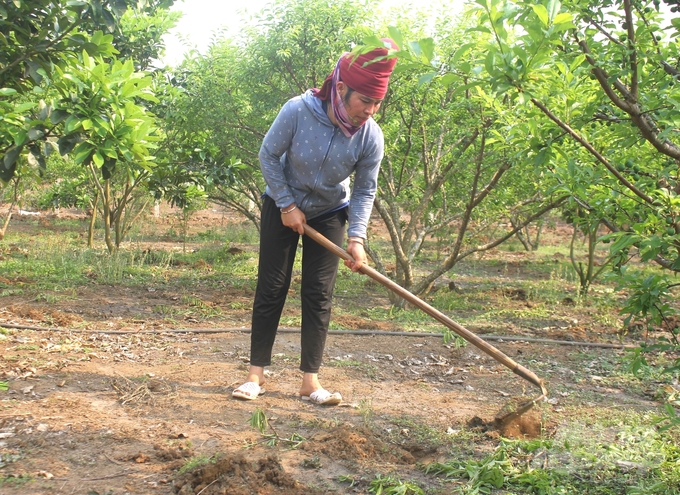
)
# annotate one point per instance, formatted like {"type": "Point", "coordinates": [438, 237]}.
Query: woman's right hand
{"type": "Point", "coordinates": [295, 220]}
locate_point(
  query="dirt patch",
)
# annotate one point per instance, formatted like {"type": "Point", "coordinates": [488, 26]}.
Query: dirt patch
{"type": "Point", "coordinates": [236, 475]}
{"type": "Point", "coordinates": [512, 422]}
{"type": "Point", "coordinates": [360, 444]}
{"type": "Point", "coordinates": [352, 322]}
{"type": "Point", "coordinates": [38, 314]}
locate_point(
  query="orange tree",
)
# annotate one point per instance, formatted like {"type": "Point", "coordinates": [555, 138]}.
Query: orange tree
{"type": "Point", "coordinates": [62, 88]}
{"type": "Point", "coordinates": [603, 80]}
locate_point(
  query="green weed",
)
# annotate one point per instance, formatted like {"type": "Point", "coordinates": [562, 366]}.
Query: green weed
{"type": "Point", "coordinates": [423, 434]}
{"type": "Point", "coordinates": [290, 321]}
{"type": "Point", "coordinates": [7, 457]}
{"type": "Point", "coordinates": [366, 411]}
{"type": "Point", "coordinates": [197, 461]}
{"type": "Point", "coordinates": [260, 422]}
{"type": "Point", "coordinates": [11, 292]}
{"type": "Point", "coordinates": [345, 363]}
{"type": "Point", "coordinates": [48, 298]}
{"type": "Point", "coordinates": [15, 481]}
{"type": "Point", "coordinates": [454, 339]}
{"type": "Point", "coordinates": [450, 301]}
{"type": "Point", "coordinates": [27, 347]}
{"type": "Point", "coordinates": [589, 459]}
{"type": "Point", "coordinates": [391, 485]}
{"type": "Point", "coordinates": [347, 478]}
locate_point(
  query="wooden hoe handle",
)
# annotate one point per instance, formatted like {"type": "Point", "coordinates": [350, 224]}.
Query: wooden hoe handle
{"type": "Point", "coordinates": [437, 315]}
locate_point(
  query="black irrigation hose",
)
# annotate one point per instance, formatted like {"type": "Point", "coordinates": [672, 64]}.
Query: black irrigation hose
{"type": "Point", "coordinates": [498, 338]}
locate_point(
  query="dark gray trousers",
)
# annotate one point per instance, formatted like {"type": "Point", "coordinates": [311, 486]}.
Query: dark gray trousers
{"type": "Point", "coordinates": [278, 246]}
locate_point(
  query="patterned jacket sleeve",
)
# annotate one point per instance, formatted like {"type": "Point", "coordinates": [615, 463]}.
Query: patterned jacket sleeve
{"type": "Point", "coordinates": [365, 185]}
{"type": "Point", "coordinates": [276, 142]}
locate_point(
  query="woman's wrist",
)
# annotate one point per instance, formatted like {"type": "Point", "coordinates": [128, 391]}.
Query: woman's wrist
{"type": "Point", "coordinates": [358, 240]}
{"type": "Point", "coordinates": [288, 209]}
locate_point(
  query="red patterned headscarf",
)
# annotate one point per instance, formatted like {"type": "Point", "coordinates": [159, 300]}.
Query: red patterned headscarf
{"type": "Point", "coordinates": [370, 80]}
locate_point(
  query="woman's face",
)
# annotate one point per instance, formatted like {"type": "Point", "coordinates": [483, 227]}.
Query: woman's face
{"type": "Point", "coordinates": [359, 107]}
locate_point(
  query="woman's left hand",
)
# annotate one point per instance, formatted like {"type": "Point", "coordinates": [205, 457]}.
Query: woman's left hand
{"type": "Point", "coordinates": [356, 250]}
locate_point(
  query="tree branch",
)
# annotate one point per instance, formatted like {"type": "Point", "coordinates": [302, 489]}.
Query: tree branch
{"type": "Point", "coordinates": [600, 158]}
{"type": "Point", "coordinates": [632, 57]}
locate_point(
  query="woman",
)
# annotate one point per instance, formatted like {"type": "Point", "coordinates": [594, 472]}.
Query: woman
{"type": "Point", "coordinates": [316, 142]}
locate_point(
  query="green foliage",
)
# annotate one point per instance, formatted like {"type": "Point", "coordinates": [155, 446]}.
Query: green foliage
{"type": "Point", "coordinates": [105, 122]}
{"type": "Point", "coordinates": [197, 461]}
{"type": "Point", "coordinates": [67, 186]}
{"type": "Point", "coordinates": [63, 89]}
{"type": "Point", "coordinates": [38, 34]}
{"type": "Point", "coordinates": [585, 223]}
{"type": "Point", "coordinates": [483, 476]}
{"type": "Point", "coordinates": [592, 459]}
{"type": "Point", "coordinates": [391, 485]}
{"type": "Point", "coordinates": [15, 481]}
{"type": "Point", "coordinates": [596, 80]}
{"type": "Point", "coordinates": [41, 40]}
{"type": "Point", "coordinates": [141, 38]}
{"type": "Point", "coordinates": [260, 422]}
{"type": "Point", "coordinates": [452, 337]}
{"type": "Point", "coordinates": [650, 303]}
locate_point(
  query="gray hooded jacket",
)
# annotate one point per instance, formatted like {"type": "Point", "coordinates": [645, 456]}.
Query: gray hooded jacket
{"type": "Point", "coordinates": [308, 161]}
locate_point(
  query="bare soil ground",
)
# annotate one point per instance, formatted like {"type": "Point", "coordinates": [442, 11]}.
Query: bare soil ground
{"type": "Point", "coordinates": [89, 412]}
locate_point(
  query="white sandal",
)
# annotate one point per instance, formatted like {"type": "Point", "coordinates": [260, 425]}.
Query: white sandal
{"type": "Point", "coordinates": [323, 397]}
{"type": "Point", "coordinates": [248, 391]}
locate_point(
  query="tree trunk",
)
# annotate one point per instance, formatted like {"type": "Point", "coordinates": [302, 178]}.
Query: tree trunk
{"type": "Point", "coordinates": [93, 219]}
{"type": "Point", "coordinates": [106, 207]}
{"type": "Point", "coordinates": [15, 200]}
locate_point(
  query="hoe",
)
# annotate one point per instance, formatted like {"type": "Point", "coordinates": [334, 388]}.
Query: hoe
{"type": "Point", "coordinates": [501, 419]}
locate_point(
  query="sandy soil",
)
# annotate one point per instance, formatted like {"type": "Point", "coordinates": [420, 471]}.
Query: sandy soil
{"type": "Point", "coordinates": [104, 412]}
{"type": "Point", "coordinates": [89, 412]}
